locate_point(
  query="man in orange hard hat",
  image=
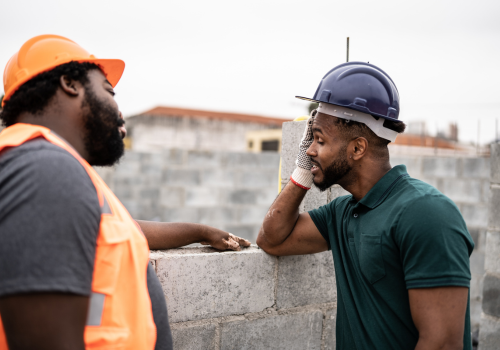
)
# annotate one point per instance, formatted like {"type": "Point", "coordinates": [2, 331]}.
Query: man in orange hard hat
{"type": "Point", "coordinates": [74, 271]}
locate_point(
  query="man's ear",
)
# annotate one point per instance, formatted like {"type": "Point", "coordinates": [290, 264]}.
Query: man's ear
{"type": "Point", "coordinates": [358, 148]}
{"type": "Point", "coordinates": [69, 86]}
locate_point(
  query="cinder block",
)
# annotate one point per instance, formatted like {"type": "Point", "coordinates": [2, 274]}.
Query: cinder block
{"type": "Point", "coordinates": [149, 193]}
{"type": "Point", "coordinates": [240, 197]}
{"type": "Point", "coordinates": [131, 206]}
{"type": "Point", "coordinates": [107, 174]}
{"type": "Point", "coordinates": [314, 199]}
{"type": "Point", "coordinates": [292, 331]}
{"type": "Point", "coordinates": [269, 160]}
{"type": "Point", "coordinates": [475, 215]}
{"type": "Point", "coordinates": [495, 163]}
{"type": "Point", "coordinates": [491, 295]}
{"type": "Point", "coordinates": [440, 167]}
{"type": "Point", "coordinates": [336, 191]}
{"type": "Point", "coordinates": [124, 193]}
{"type": "Point", "coordinates": [198, 337]}
{"type": "Point", "coordinates": [413, 165]}
{"type": "Point", "coordinates": [218, 178]}
{"type": "Point", "coordinates": [477, 263]}
{"type": "Point", "coordinates": [202, 197]}
{"type": "Point", "coordinates": [329, 329]}
{"type": "Point", "coordinates": [476, 167]}
{"type": "Point", "coordinates": [489, 333]}
{"type": "Point", "coordinates": [292, 133]}
{"type": "Point", "coordinates": [204, 159]}
{"type": "Point", "coordinates": [224, 215]}
{"type": "Point", "coordinates": [252, 214]}
{"type": "Point", "coordinates": [434, 182]}
{"type": "Point", "coordinates": [180, 215]}
{"type": "Point", "coordinates": [201, 283]}
{"type": "Point", "coordinates": [173, 157]}
{"type": "Point", "coordinates": [306, 279]}
{"type": "Point", "coordinates": [181, 177]}
{"type": "Point", "coordinates": [492, 256]}
{"type": "Point", "coordinates": [494, 219]}
{"type": "Point", "coordinates": [172, 197]}
{"type": "Point", "coordinates": [463, 190]}
{"type": "Point", "coordinates": [241, 160]}
{"type": "Point", "coordinates": [249, 232]}
{"type": "Point", "coordinates": [486, 191]}
{"type": "Point", "coordinates": [128, 167]}
{"type": "Point", "coordinates": [131, 156]}
{"type": "Point", "coordinates": [258, 178]}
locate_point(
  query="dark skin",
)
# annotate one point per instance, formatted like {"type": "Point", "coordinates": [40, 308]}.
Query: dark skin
{"type": "Point", "coordinates": [438, 313]}
{"type": "Point", "coordinates": [56, 321]}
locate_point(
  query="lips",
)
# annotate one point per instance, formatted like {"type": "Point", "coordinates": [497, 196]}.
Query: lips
{"type": "Point", "coordinates": [315, 168]}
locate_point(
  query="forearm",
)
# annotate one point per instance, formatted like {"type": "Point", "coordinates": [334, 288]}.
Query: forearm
{"type": "Point", "coordinates": [169, 235]}
{"type": "Point", "coordinates": [281, 217]}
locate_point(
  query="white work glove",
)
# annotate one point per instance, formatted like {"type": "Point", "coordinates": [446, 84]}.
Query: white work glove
{"type": "Point", "coordinates": [302, 175]}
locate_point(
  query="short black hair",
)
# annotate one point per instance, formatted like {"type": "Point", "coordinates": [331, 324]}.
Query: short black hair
{"type": "Point", "coordinates": [352, 130]}
{"type": "Point", "coordinates": [34, 95]}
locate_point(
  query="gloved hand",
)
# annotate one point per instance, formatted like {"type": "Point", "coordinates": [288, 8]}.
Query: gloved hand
{"type": "Point", "coordinates": [302, 175]}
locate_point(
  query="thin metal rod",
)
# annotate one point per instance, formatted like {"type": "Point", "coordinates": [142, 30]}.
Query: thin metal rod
{"type": "Point", "coordinates": [496, 130]}
{"type": "Point", "coordinates": [347, 49]}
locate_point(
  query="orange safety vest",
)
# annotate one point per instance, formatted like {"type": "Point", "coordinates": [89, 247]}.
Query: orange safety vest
{"type": "Point", "coordinates": [120, 314]}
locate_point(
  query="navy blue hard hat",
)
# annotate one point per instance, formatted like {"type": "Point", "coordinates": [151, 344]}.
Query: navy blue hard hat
{"type": "Point", "coordinates": [359, 86]}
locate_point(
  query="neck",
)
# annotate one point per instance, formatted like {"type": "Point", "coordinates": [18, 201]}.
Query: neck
{"type": "Point", "coordinates": [64, 124]}
{"type": "Point", "coordinates": [364, 176]}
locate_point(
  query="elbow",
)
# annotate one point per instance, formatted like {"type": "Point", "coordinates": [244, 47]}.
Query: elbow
{"type": "Point", "coordinates": [263, 243]}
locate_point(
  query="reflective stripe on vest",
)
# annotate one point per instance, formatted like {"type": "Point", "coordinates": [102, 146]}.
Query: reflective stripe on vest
{"type": "Point", "coordinates": [120, 314]}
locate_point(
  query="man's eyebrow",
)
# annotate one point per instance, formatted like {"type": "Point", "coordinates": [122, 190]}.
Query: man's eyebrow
{"type": "Point", "coordinates": [107, 81]}
{"type": "Point", "coordinates": [317, 129]}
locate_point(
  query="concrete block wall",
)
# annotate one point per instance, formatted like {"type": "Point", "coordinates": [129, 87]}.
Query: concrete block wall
{"type": "Point", "coordinates": [230, 191]}
{"type": "Point", "coordinates": [248, 299]}
{"type": "Point", "coordinates": [465, 180]}
{"type": "Point", "coordinates": [489, 334]}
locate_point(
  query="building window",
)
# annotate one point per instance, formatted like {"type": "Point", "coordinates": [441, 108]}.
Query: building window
{"type": "Point", "coordinates": [271, 145]}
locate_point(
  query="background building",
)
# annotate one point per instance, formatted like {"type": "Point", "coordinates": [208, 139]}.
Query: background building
{"type": "Point", "coordinates": [189, 129]}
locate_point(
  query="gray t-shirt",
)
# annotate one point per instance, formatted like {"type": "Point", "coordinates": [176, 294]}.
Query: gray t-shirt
{"type": "Point", "coordinates": [49, 221]}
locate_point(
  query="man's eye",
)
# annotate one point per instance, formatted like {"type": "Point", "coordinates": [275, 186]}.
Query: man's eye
{"type": "Point", "coordinates": [112, 92]}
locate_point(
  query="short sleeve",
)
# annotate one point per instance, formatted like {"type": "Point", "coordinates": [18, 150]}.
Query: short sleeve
{"type": "Point", "coordinates": [49, 221]}
{"type": "Point", "coordinates": [324, 219]}
{"type": "Point", "coordinates": [434, 244]}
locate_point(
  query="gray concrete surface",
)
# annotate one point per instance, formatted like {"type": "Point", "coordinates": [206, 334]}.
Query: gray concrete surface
{"type": "Point", "coordinates": [201, 283]}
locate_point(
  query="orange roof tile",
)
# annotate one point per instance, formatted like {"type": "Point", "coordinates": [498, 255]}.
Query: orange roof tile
{"type": "Point", "coordinates": [196, 113]}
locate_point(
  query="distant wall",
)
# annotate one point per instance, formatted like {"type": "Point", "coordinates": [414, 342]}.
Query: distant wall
{"type": "Point", "coordinates": [230, 191]}
{"type": "Point", "coordinates": [156, 133]}
{"type": "Point", "coordinates": [489, 334]}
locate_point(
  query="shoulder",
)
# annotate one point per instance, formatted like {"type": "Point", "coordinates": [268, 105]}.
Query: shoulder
{"type": "Point", "coordinates": [41, 171]}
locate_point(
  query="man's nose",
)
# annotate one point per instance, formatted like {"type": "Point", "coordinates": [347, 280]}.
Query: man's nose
{"type": "Point", "coordinates": [311, 151]}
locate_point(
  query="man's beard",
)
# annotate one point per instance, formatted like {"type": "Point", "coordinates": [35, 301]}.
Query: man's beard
{"type": "Point", "coordinates": [336, 171]}
{"type": "Point", "coordinates": [103, 141]}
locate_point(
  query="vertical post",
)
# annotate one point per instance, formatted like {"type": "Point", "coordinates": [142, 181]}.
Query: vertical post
{"type": "Point", "coordinates": [347, 60]}
{"type": "Point", "coordinates": [496, 130]}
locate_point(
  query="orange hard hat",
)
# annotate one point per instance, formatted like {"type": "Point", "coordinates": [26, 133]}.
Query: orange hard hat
{"type": "Point", "coordinates": [45, 52]}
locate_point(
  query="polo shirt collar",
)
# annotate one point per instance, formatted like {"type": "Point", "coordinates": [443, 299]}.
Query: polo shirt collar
{"type": "Point", "coordinates": [383, 187]}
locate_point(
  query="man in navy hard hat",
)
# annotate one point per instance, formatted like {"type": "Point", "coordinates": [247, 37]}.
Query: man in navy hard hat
{"type": "Point", "coordinates": [400, 247]}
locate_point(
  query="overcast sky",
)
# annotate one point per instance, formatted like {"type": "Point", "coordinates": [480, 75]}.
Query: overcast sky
{"type": "Point", "coordinates": [255, 56]}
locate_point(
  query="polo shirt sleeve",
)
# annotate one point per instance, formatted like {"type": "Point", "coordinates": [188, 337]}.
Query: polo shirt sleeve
{"type": "Point", "coordinates": [324, 219]}
{"type": "Point", "coordinates": [434, 244]}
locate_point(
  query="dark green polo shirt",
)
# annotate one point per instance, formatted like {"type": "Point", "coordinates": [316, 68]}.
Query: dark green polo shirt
{"type": "Point", "coordinates": [403, 234]}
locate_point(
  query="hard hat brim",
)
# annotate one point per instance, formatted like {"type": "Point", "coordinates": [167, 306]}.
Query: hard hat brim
{"type": "Point", "coordinates": [112, 68]}
{"type": "Point", "coordinates": [351, 107]}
